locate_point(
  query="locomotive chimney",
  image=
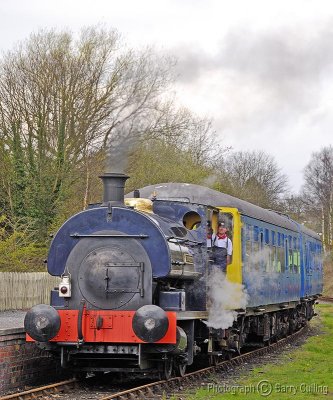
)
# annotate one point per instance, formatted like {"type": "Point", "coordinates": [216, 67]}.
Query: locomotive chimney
{"type": "Point", "coordinates": [114, 184]}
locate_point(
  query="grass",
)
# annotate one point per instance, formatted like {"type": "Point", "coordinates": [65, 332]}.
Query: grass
{"type": "Point", "coordinates": [305, 373]}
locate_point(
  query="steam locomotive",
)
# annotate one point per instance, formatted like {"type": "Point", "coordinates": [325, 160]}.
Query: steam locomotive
{"type": "Point", "coordinates": [134, 280]}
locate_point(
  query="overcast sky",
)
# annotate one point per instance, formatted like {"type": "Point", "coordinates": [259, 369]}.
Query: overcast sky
{"type": "Point", "coordinates": [261, 69]}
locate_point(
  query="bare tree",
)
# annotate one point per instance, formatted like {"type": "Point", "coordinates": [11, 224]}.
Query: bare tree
{"type": "Point", "coordinates": [253, 176]}
{"type": "Point", "coordinates": [318, 190]}
{"type": "Point", "coordinates": [295, 206]}
{"type": "Point", "coordinates": [62, 100]}
{"type": "Point", "coordinates": [203, 143]}
{"type": "Point", "coordinates": [162, 161]}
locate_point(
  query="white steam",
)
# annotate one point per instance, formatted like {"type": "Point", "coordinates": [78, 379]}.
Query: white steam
{"type": "Point", "coordinates": [224, 297]}
{"type": "Point", "coordinates": [262, 270]}
{"type": "Point", "coordinates": [210, 180]}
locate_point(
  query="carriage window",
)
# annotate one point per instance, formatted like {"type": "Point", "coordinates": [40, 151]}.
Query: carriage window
{"type": "Point", "coordinates": [318, 258]}
{"type": "Point", "coordinates": [249, 232]}
{"type": "Point", "coordinates": [297, 262]}
{"type": "Point", "coordinates": [281, 262]}
{"type": "Point", "coordinates": [290, 258]}
{"type": "Point", "coordinates": [255, 247]}
{"type": "Point", "coordinates": [290, 240]}
{"type": "Point", "coordinates": [248, 249]}
{"type": "Point", "coordinates": [255, 233]}
{"type": "Point", "coordinates": [286, 253]}
{"type": "Point", "coordinates": [279, 239]}
{"type": "Point", "coordinates": [267, 257]}
{"type": "Point", "coordinates": [274, 260]}
{"type": "Point", "coordinates": [266, 236]}
{"type": "Point", "coordinates": [248, 244]}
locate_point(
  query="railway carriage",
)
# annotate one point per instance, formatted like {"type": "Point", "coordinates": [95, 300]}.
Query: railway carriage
{"type": "Point", "coordinates": [266, 244]}
{"type": "Point", "coordinates": [133, 292]}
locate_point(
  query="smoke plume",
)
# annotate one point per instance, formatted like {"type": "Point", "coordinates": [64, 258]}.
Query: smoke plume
{"type": "Point", "coordinates": [224, 298]}
{"type": "Point", "coordinates": [120, 146]}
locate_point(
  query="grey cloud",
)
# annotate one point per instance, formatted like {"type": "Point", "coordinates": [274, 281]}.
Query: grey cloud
{"type": "Point", "coordinates": [284, 73]}
{"type": "Point", "coordinates": [291, 57]}
{"type": "Point", "coordinates": [191, 63]}
{"type": "Point", "coordinates": [289, 54]}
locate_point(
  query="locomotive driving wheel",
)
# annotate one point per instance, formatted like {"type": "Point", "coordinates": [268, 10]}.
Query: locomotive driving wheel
{"type": "Point", "coordinates": [167, 368]}
{"type": "Point", "coordinates": [180, 369]}
{"type": "Point", "coordinates": [213, 360]}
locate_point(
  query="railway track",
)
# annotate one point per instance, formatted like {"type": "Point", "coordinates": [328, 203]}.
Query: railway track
{"type": "Point", "coordinates": [155, 389]}
{"type": "Point", "coordinates": [43, 391]}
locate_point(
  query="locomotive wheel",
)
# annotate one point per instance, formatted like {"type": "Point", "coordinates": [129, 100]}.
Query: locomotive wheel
{"type": "Point", "coordinates": [238, 348]}
{"type": "Point", "coordinates": [213, 360]}
{"type": "Point", "coordinates": [180, 369]}
{"type": "Point", "coordinates": [167, 369]}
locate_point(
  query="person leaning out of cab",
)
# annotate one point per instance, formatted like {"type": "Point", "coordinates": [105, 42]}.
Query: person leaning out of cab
{"type": "Point", "coordinates": [222, 247]}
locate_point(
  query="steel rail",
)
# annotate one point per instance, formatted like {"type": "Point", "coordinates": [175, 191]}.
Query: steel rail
{"type": "Point", "coordinates": [41, 391]}
{"type": "Point", "coordinates": [151, 389]}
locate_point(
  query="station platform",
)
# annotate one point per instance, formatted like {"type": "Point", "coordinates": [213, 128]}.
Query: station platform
{"type": "Point", "coordinates": [22, 363]}
{"type": "Point", "coordinates": [11, 322]}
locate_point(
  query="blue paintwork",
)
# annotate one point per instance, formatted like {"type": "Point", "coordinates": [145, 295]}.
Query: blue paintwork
{"type": "Point", "coordinates": [57, 301]}
{"type": "Point", "coordinates": [263, 287]}
{"type": "Point", "coordinates": [124, 220]}
{"type": "Point", "coordinates": [195, 290]}
{"type": "Point", "coordinates": [313, 267]}
{"type": "Point", "coordinates": [269, 287]}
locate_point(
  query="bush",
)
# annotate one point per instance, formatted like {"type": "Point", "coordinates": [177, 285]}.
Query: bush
{"type": "Point", "coordinates": [18, 252]}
